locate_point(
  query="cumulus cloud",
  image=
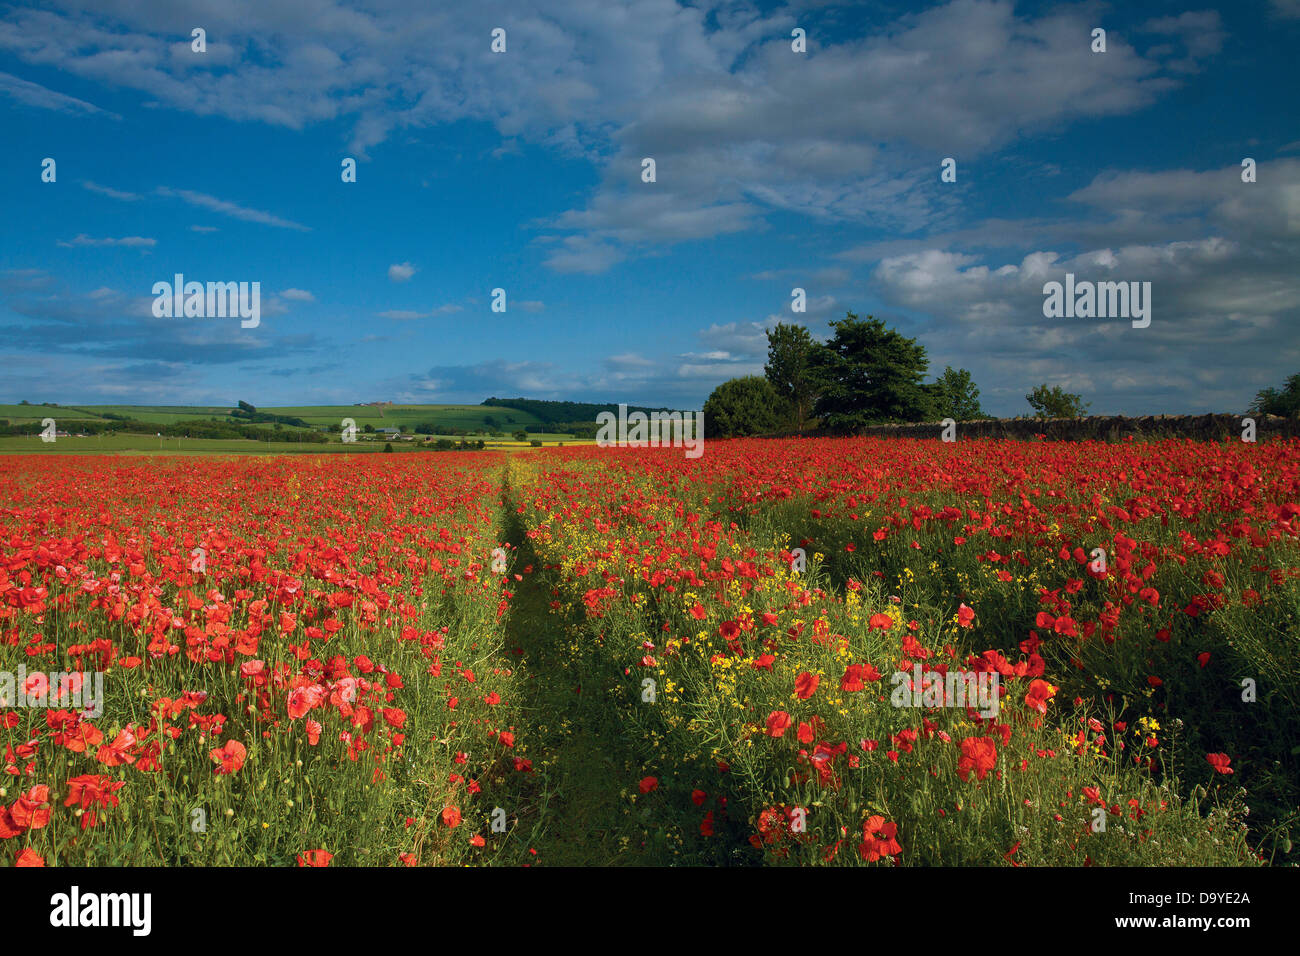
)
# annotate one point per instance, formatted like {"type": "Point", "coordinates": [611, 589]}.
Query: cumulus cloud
{"type": "Point", "coordinates": [740, 127]}
{"type": "Point", "coordinates": [748, 137]}
{"type": "Point", "coordinates": [1222, 301]}
{"type": "Point", "coordinates": [105, 325]}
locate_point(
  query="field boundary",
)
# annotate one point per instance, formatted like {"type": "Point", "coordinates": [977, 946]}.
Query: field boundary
{"type": "Point", "coordinates": [1210, 427]}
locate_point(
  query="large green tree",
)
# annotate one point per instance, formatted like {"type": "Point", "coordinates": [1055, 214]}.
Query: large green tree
{"type": "Point", "coordinates": [1056, 402]}
{"type": "Point", "coordinates": [743, 406]}
{"type": "Point", "coordinates": [867, 374]}
{"type": "Point", "coordinates": [789, 354]}
{"type": "Point", "coordinates": [956, 397]}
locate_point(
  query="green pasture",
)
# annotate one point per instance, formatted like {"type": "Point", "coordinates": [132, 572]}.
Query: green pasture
{"type": "Point", "coordinates": [148, 444]}
{"type": "Point", "coordinates": [405, 417]}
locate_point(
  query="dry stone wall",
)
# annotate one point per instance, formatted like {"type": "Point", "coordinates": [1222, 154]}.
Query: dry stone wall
{"type": "Point", "coordinates": [1095, 427]}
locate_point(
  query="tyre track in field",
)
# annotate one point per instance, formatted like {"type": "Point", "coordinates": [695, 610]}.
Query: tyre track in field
{"type": "Point", "coordinates": [579, 807]}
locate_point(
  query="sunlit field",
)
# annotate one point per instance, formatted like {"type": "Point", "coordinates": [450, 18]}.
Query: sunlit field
{"type": "Point", "coordinates": [596, 656]}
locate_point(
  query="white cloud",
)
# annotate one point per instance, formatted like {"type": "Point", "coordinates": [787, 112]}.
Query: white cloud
{"type": "Point", "coordinates": [409, 314]}
{"type": "Point", "coordinates": [108, 191]}
{"type": "Point", "coordinates": [33, 94]}
{"type": "Point", "coordinates": [584, 254]}
{"type": "Point", "coordinates": [739, 126]}
{"type": "Point", "coordinates": [401, 271]}
{"type": "Point", "coordinates": [227, 208]}
{"type": "Point", "coordinates": [629, 360]}
{"type": "Point", "coordinates": [84, 240]}
{"type": "Point", "coordinates": [740, 338]}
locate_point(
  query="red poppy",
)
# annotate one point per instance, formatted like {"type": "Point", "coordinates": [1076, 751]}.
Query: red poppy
{"type": "Point", "coordinates": [778, 721]}
{"type": "Point", "coordinates": [228, 758]}
{"type": "Point", "coordinates": [1040, 693]}
{"type": "Point", "coordinates": [1219, 762]}
{"type": "Point", "coordinates": [979, 754]}
{"type": "Point", "coordinates": [805, 685]}
{"type": "Point", "coordinates": [878, 839]}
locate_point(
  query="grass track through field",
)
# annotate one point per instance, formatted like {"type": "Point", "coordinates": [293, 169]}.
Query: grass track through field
{"type": "Point", "coordinates": [582, 811]}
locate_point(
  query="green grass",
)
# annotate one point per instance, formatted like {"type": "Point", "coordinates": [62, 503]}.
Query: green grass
{"type": "Point", "coordinates": [159, 413]}
{"type": "Point", "coordinates": [21, 414]}
{"type": "Point", "coordinates": [149, 444]}
{"type": "Point", "coordinates": [405, 417]}
{"type": "Point", "coordinates": [119, 444]}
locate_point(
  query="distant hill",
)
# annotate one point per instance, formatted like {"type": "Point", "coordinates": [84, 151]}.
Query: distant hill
{"type": "Point", "coordinates": [433, 420]}
{"type": "Point", "coordinates": [499, 416]}
{"type": "Point", "coordinates": [555, 412]}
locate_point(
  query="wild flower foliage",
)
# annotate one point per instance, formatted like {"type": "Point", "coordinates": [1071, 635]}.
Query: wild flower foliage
{"type": "Point", "coordinates": [1133, 678]}
{"type": "Point", "coordinates": [302, 661]}
{"type": "Point", "coordinates": [833, 651]}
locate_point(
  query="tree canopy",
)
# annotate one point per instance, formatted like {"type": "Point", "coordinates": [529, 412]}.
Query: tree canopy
{"type": "Point", "coordinates": [789, 356]}
{"type": "Point", "coordinates": [1055, 402]}
{"type": "Point", "coordinates": [867, 374]}
{"type": "Point", "coordinates": [1283, 401]}
{"type": "Point", "coordinates": [956, 397]}
{"type": "Point", "coordinates": [743, 406]}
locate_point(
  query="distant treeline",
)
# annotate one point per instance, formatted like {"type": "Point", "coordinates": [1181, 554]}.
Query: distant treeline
{"type": "Point", "coordinates": [197, 428]}
{"type": "Point", "coordinates": [565, 413]}
{"type": "Point", "coordinates": [580, 429]}
{"type": "Point", "coordinates": [250, 412]}
{"type": "Point", "coordinates": [446, 444]}
{"type": "Point", "coordinates": [433, 428]}
{"type": "Point", "coordinates": [267, 418]}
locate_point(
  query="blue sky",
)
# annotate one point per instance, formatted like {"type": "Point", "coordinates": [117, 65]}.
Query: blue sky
{"type": "Point", "coordinates": [522, 170]}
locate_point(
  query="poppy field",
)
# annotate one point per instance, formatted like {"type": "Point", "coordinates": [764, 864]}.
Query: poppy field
{"type": "Point", "coordinates": [767, 655]}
